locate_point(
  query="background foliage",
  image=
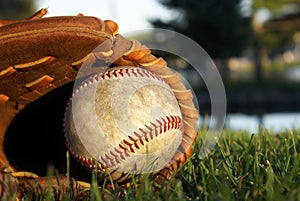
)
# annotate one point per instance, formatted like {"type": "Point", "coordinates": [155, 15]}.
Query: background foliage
{"type": "Point", "coordinates": [16, 9]}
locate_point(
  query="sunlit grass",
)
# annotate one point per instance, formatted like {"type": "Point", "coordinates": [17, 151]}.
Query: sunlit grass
{"type": "Point", "coordinates": [249, 167]}
{"type": "Point", "coordinates": [241, 166]}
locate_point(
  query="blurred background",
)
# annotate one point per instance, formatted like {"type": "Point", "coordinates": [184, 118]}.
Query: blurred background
{"type": "Point", "coordinates": [255, 45]}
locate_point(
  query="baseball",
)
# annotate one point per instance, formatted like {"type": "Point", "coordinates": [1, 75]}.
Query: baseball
{"type": "Point", "coordinates": [123, 121]}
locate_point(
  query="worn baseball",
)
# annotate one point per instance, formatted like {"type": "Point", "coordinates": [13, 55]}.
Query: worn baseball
{"type": "Point", "coordinates": [123, 121]}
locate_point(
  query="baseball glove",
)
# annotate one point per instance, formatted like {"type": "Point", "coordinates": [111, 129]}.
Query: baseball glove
{"type": "Point", "coordinates": [40, 59]}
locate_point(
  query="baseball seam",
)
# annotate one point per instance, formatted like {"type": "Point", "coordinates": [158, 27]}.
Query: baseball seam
{"type": "Point", "coordinates": [116, 74]}
{"type": "Point", "coordinates": [130, 144]}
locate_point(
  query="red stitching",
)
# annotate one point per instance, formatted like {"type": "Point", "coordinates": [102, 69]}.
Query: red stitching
{"type": "Point", "coordinates": [96, 78]}
{"type": "Point", "coordinates": [145, 134]}
{"type": "Point", "coordinates": [127, 71]}
{"type": "Point", "coordinates": [155, 128]}
{"type": "Point", "coordinates": [108, 74]}
{"type": "Point", "coordinates": [137, 72]}
{"type": "Point", "coordinates": [127, 146]}
{"type": "Point", "coordinates": [102, 76]}
{"type": "Point", "coordinates": [147, 74]}
{"type": "Point", "coordinates": [160, 126]}
{"type": "Point", "coordinates": [133, 142]}
{"type": "Point", "coordinates": [156, 76]}
{"type": "Point", "coordinates": [150, 131]}
{"type": "Point", "coordinates": [140, 73]}
{"type": "Point", "coordinates": [121, 72]}
{"type": "Point", "coordinates": [124, 150]}
{"type": "Point", "coordinates": [137, 135]}
{"type": "Point", "coordinates": [165, 125]}
{"type": "Point", "coordinates": [110, 159]}
{"type": "Point", "coordinates": [101, 166]}
{"type": "Point", "coordinates": [133, 72]}
{"type": "Point", "coordinates": [120, 153]}
{"type": "Point", "coordinates": [115, 73]}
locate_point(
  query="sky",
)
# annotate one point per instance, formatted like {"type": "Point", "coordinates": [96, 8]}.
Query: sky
{"type": "Point", "coordinates": [131, 15]}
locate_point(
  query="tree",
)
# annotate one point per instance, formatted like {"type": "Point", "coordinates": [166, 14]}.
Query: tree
{"type": "Point", "coordinates": [276, 32]}
{"type": "Point", "coordinates": [218, 26]}
{"type": "Point", "coordinates": [16, 9]}
{"type": "Point", "coordinates": [273, 5]}
{"type": "Point", "coordinates": [283, 23]}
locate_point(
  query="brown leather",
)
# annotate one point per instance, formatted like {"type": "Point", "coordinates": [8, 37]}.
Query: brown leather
{"type": "Point", "coordinates": [8, 112]}
{"type": "Point", "coordinates": [63, 40]}
{"type": "Point", "coordinates": [40, 57]}
{"type": "Point", "coordinates": [34, 187]}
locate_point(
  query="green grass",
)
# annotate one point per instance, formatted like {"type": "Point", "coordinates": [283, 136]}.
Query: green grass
{"type": "Point", "coordinates": [249, 167]}
{"type": "Point", "coordinates": [241, 166]}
